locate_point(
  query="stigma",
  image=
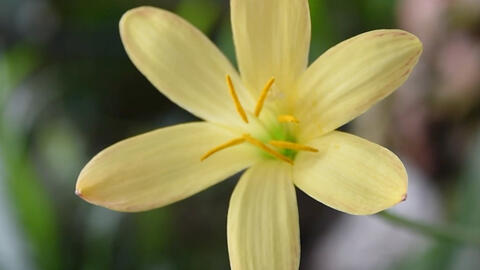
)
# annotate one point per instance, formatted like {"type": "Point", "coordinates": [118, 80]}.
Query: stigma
{"type": "Point", "coordinates": [274, 147]}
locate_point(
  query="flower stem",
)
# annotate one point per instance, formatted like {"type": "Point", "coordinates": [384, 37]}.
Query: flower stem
{"type": "Point", "coordinates": [445, 233]}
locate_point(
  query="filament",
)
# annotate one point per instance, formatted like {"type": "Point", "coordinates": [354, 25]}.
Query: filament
{"type": "Point", "coordinates": [263, 96]}
{"type": "Point", "coordinates": [223, 146]}
{"type": "Point", "coordinates": [238, 105]}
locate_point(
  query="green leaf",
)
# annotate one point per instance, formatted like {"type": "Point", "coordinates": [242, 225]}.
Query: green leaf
{"type": "Point", "coordinates": [201, 13]}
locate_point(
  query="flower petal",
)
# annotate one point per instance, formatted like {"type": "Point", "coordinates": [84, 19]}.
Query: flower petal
{"type": "Point", "coordinates": [352, 76]}
{"type": "Point", "coordinates": [272, 38]}
{"type": "Point", "coordinates": [262, 226]}
{"type": "Point", "coordinates": [182, 63]}
{"type": "Point", "coordinates": [160, 167]}
{"type": "Point", "coordinates": [351, 174]}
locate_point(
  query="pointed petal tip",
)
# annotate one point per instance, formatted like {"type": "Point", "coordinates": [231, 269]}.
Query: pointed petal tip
{"type": "Point", "coordinates": [397, 33]}
{"type": "Point", "coordinates": [415, 41]}
{"type": "Point", "coordinates": [417, 44]}
{"type": "Point", "coordinates": [78, 192]}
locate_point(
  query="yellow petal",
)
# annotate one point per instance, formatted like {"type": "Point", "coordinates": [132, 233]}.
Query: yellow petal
{"type": "Point", "coordinates": [272, 38]}
{"type": "Point", "coordinates": [182, 63]}
{"type": "Point", "coordinates": [160, 167]}
{"type": "Point", "coordinates": [352, 76]}
{"type": "Point", "coordinates": [351, 174]}
{"type": "Point", "coordinates": [262, 226]}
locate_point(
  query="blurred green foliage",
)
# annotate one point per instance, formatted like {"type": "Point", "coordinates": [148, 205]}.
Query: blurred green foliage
{"type": "Point", "coordinates": [34, 208]}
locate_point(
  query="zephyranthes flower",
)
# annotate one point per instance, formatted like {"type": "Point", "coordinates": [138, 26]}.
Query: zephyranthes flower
{"type": "Point", "coordinates": [277, 118]}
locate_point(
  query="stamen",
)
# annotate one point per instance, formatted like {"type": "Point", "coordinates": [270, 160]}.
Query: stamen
{"type": "Point", "coordinates": [286, 118]}
{"type": "Point", "coordinates": [236, 100]}
{"type": "Point", "coordinates": [293, 146]}
{"type": "Point", "coordinates": [223, 146]}
{"type": "Point", "coordinates": [263, 96]}
{"type": "Point", "coordinates": [267, 149]}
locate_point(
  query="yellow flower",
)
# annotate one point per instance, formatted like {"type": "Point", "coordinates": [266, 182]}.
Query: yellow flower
{"type": "Point", "coordinates": [277, 118]}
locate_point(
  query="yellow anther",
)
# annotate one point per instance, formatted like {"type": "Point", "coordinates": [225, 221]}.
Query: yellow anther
{"type": "Point", "coordinates": [223, 146]}
{"type": "Point", "coordinates": [293, 146]}
{"type": "Point", "coordinates": [263, 96]}
{"type": "Point", "coordinates": [267, 149]}
{"type": "Point", "coordinates": [236, 100]}
{"type": "Point", "coordinates": [286, 118]}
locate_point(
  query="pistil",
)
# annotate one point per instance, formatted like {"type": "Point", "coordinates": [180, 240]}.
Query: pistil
{"type": "Point", "coordinates": [292, 146]}
{"type": "Point", "coordinates": [251, 140]}
{"type": "Point", "coordinates": [288, 145]}
{"type": "Point", "coordinates": [287, 118]}
{"type": "Point", "coordinates": [267, 149]}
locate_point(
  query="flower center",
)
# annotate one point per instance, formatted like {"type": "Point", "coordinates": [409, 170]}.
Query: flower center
{"type": "Point", "coordinates": [280, 144]}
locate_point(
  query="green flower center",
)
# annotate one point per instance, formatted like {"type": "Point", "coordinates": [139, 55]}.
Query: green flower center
{"type": "Point", "coordinates": [275, 140]}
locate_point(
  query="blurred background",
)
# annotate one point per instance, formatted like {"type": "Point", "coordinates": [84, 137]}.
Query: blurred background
{"type": "Point", "coordinates": [68, 90]}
